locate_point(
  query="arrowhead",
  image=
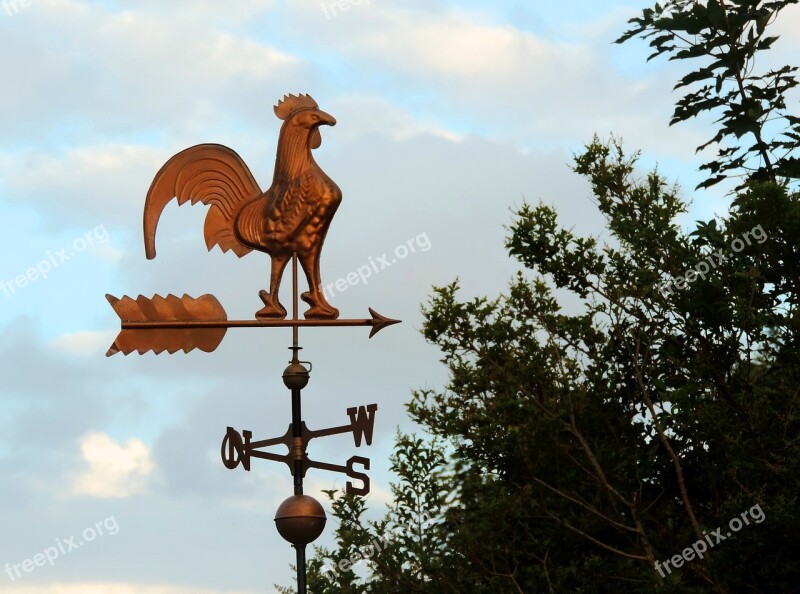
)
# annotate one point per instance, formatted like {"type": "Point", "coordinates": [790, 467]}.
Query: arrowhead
{"type": "Point", "coordinates": [380, 322]}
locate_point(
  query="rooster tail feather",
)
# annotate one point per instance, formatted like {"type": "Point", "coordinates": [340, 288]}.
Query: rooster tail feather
{"type": "Point", "coordinates": [209, 173]}
{"type": "Point", "coordinates": [219, 231]}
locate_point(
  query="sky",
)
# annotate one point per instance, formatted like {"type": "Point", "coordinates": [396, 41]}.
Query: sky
{"type": "Point", "coordinates": [450, 115]}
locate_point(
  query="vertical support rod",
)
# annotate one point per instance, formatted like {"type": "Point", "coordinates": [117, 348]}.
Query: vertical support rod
{"type": "Point", "coordinates": [295, 329]}
{"type": "Point", "coordinates": [297, 435]}
{"type": "Point", "coordinates": [301, 569]}
{"type": "Point", "coordinates": [297, 432]}
{"type": "Point", "coordinates": [299, 454]}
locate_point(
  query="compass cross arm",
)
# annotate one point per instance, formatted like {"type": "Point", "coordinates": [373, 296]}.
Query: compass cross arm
{"type": "Point", "coordinates": [346, 469]}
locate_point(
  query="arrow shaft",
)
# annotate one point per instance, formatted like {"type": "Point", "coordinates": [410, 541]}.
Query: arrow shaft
{"type": "Point", "coordinates": [183, 324]}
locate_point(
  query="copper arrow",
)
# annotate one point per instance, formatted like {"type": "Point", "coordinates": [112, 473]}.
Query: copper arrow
{"type": "Point", "coordinates": [377, 321]}
{"type": "Point", "coordinates": [186, 323]}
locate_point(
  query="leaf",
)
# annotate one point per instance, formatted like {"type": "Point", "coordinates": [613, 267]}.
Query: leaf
{"type": "Point", "coordinates": [710, 182]}
{"type": "Point", "coordinates": [697, 75]}
{"type": "Point", "coordinates": [761, 23]}
{"type": "Point", "coordinates": [727, 37]}
{"type": "Point", "coordinates": [767, 42]}
{"type": "Point", "coordinates": [716, 14]}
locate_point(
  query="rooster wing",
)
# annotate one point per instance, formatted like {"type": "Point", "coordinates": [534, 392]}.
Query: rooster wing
{"type": "Point", "coordinates": [209, 173]}
{"type": "Point", "coordinates": [292, 217]}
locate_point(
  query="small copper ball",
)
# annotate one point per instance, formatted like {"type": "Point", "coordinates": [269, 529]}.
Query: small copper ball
{"type": "Point", "coordinates": [300, 519]}
{"type": "Point", "coordinates": [295, 376]}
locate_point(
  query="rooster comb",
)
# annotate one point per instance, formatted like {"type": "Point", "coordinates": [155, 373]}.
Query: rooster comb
{"type": "Point", "coordinates": [291, 103]}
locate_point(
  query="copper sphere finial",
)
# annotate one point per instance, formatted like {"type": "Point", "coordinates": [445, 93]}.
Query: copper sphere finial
{"type": "Point", "coordinates": [300, 519]}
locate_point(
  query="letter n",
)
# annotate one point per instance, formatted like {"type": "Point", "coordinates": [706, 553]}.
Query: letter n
{"type": "Point", "coordinates": [234, 450]}
{"type": "Point", "coordinates": [362, 419]}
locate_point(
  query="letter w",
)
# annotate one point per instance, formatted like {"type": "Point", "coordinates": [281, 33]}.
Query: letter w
{"type": "Point", "coordinates": [362, 420]}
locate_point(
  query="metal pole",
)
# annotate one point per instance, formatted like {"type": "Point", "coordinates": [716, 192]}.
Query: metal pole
{"type": "Point", "coordinates": [301, 573]}
{"type": "Point", "coordinates": [295, 329]}
{"type": "Point", "coordinates": [297, 435]}
{"type": "Point", "coordinates": [297, 432]}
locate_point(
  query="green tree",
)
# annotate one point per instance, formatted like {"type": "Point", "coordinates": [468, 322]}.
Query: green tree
{"type": "Point", "coordinates": [728, 36]}
{"type": "Point", "coordinates": [579, 452]}
{"type": "Point", "coordinates": [402, 551]}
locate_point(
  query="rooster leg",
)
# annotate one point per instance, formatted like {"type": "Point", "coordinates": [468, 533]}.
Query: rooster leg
{"type": "Point", "coordinates": [320, 308]}
{"type": "Point", "coordinates": [272, 306]}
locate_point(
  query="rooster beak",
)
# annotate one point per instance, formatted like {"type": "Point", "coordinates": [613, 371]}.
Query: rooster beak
{"type": "Point", "coordinates": [326, 118]}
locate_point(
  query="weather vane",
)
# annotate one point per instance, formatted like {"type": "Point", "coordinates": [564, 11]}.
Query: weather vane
{"type": "Point", "coordinates": [289, 222]}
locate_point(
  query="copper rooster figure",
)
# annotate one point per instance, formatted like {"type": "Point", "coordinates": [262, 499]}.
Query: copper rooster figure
{"type": "Point", "coordinates": [291, 217]}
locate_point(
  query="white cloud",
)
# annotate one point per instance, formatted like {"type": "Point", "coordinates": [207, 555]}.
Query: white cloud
{"type": "Point", "coordinates": [93, 177]}
{"type": "Point", "coordinates": [85, 344]}
{"type": "Point", "coordinates": [361, 115]}
{"type": "Point", "coordinates": [130, 72]}
{"type": "Point", "coordinates": [460, 46]}
{"type": "Point", "coordinates": [493, 79]}
{"type": "Point", "coordinates": [115, 471]}
{"type": "Point", "coordinates": [379, 497]}
{"type": "Point", "coordinates": [787, 25]}
{"type": "Point", "coordinates": [454, 50]}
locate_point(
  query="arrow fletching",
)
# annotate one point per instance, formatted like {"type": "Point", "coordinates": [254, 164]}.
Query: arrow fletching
{"type": "Point", "coordinates": [205, 308]}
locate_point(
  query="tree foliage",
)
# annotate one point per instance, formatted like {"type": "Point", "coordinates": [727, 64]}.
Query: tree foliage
{"type": "Point", "coordinates": [400, 552]}
{"type": "Point", "coordinates": [756, 135]}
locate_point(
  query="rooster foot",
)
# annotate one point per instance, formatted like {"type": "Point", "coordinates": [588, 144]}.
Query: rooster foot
{"type": "Point", "coordinates": [272, 307]}
{"type": "Point", "coordinates": [320, 309]}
